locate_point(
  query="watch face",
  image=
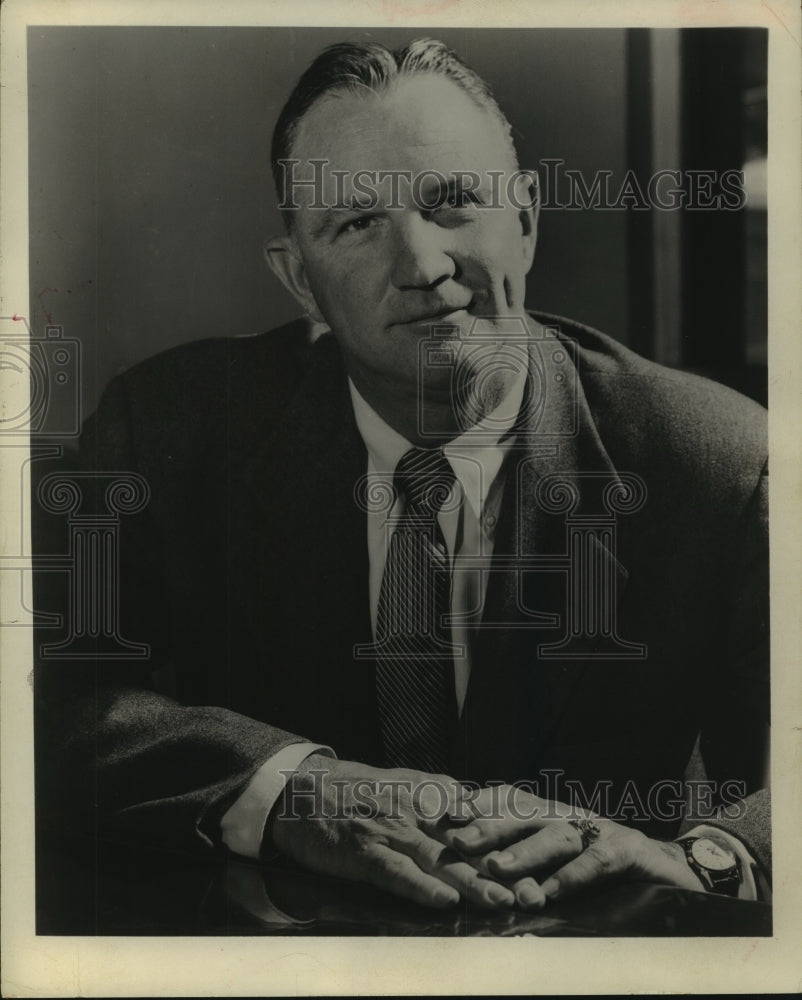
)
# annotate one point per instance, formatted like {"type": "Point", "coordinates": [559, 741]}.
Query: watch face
{"type": "Point", "coordinates": [711, 855]}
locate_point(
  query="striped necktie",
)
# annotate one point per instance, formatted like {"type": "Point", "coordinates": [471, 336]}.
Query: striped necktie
{"type": "Point", "coordinates": [415, 666]}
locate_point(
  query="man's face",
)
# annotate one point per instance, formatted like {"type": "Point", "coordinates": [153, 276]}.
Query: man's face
{"type": "Point", "coordinates": [381, 276]}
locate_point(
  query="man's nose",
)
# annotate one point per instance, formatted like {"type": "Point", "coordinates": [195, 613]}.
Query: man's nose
{"type": "Point", "coordinates": [421, 257]}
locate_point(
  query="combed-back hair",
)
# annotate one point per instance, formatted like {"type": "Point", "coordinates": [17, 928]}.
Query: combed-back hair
{"type": "Point", "coordinates": [356, 68]}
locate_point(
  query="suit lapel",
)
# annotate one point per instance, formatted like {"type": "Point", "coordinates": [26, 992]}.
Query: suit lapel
{"type": "Point", "coordinates": [516, 698]}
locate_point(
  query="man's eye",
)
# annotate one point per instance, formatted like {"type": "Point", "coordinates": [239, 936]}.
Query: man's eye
{"type": "Point", "coordinates": [453, 209]}
{"type": "Point", "coordinates": [460, 199]}
{"type": "Point", "coordinates": [359, 224]}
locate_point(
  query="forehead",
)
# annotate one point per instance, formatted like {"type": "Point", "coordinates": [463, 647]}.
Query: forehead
{"type": "Point", "coordinates": [420, 122]}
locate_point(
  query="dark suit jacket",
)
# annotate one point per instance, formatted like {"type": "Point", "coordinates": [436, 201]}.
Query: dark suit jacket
{"type": "Point", "coordinates": [246, 574]}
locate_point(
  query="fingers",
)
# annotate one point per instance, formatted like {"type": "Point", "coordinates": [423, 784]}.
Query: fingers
{"type": "Point", "coordinates": [528, 894]}
{"type": "Point", "coordinates": [433, 875]}
{"type": "Point", "coordinates": [443, 863]}
{"type": "Point", "coordinates": [504, 814]}
{"type": "Point", "coordinates": [397, 873]}
{"type": "Point", "coordinates": [620, 853]}
{"type": "Point", "coordinates": [483, 835]}
{"type": "Point", "coordinates": [600, 863]}
{"type": "Point", "coordinates": [544, 851]}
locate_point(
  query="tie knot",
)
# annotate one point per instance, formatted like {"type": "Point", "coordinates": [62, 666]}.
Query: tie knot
{"type": "Point", "coordinates": [424, 477]}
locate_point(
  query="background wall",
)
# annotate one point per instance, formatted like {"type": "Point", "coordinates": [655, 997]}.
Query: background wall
{"type": "Point", "coordinates": [150, 191]}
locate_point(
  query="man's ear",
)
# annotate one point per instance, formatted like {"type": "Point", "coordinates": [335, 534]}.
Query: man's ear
{"type": "Point", "coordinates": [285, 261]}
{"type": "Point", "coordinates": [527, 194]}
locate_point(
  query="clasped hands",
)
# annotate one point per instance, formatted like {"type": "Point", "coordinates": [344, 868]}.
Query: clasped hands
{"type": "Point", "coordinates": [430, 839]}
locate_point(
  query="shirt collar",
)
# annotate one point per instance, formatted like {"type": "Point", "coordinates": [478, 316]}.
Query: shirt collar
{"type": "Point", "coordinates": [475, 456]}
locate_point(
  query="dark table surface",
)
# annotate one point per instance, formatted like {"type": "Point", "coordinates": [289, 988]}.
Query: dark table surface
{"type": "Point", "coordinates": [117, 889]}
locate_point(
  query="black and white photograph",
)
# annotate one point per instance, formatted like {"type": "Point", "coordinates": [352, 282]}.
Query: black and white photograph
{"type": "Point", "coordinates": [395, 553]}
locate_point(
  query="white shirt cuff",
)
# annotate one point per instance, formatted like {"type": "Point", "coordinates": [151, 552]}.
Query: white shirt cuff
{"type": "Point", "coordinates": [748, 889]}
{"type": "Point", "coordinates": [243, 826]}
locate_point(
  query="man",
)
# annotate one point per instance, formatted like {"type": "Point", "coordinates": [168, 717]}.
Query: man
{"type": "Point", "coordinates": [442, 550]}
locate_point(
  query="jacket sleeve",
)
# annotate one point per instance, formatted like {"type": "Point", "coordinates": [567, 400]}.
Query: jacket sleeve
{"type": "Point", "coordinates": [115, 756]}
{"type": "Point", "coordinates": [735, 735]}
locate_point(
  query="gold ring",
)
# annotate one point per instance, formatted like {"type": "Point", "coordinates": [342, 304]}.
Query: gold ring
{"type": "Point", "coordinates": [587, 830]}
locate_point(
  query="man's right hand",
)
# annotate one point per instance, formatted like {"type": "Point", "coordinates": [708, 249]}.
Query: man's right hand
{"type": "Point", "coordinates": [342, 818]}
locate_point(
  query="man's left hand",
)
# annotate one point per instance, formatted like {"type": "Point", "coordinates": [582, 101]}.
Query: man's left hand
{"type": "Point", "coordinates": [528, 843]}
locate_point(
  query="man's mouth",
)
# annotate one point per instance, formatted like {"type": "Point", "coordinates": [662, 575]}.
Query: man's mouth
{"type": "Point", "coordinates": [444, 315]}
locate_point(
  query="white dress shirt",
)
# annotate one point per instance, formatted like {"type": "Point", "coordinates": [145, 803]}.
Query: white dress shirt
{"type": "Point", "coordinates": [467, 519]}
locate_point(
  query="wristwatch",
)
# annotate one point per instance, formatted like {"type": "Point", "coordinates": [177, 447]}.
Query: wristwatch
{"type": "Point", "coordinates": [713, 860]}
